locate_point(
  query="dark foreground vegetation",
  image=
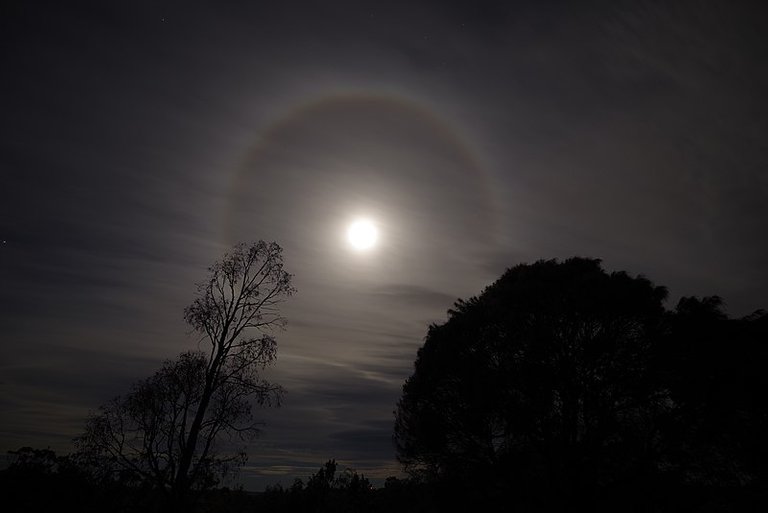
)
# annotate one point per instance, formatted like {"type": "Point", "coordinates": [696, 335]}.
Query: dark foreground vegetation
{"type": "Point", "coordinates": [560, 388]}
{"type": "Point", "coordinates": [39, 481]}
{"type": "Point", "coordinates": [566, 386]}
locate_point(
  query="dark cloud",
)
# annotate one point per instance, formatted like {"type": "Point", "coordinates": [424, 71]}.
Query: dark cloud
{"type": "Point", "coordinates": [414, 295]}
{"type": "Point", "coordinates": [370, 442]}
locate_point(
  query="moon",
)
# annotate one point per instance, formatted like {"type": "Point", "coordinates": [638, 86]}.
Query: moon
{"type": "Point", "coordinates": [362, 234]}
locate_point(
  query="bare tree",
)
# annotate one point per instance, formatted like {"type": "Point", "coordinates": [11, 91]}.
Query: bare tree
{"type": "Point", "coordinates": [168, 431]}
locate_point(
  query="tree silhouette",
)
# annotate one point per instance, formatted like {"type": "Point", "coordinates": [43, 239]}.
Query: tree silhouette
{"type": "Point", "coordinates": [38, 480]}
{"type": "Point", "coordinates": [168, 431]}
{"type": "Point", "coordinates": [325, 491]}
{"type": "Point", "coordinates": [714, 369]}
{"type": "Point", "coordinates": [542, 382]}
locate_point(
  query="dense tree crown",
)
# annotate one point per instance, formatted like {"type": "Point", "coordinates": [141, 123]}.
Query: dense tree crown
{"type": "Point", "coordinates": [175, 430]}
{"type": "Point", "coordinates": [560, 377]}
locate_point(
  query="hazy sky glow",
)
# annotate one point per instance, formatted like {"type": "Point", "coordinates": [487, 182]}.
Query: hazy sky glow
{"type": "Point", "coordinates": [141, 140]}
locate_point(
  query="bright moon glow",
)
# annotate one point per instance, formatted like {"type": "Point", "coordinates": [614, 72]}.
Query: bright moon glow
{"type": "Point", "coordinates": [362, 234]}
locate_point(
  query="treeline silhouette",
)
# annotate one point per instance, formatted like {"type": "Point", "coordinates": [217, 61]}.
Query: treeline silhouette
{"type": "Point", "coordinates": [561, 387]}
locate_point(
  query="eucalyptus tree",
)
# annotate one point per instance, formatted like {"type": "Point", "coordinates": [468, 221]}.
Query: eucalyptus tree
{"type": "Point", "coordinates": [177, 431]}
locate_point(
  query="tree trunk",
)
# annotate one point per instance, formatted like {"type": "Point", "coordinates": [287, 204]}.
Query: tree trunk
{"type": "Point", "coordinates": [182, 484]}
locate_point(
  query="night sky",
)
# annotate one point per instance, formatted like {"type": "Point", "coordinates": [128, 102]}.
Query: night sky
{"type": "Point", "coordinates": [141, 140]}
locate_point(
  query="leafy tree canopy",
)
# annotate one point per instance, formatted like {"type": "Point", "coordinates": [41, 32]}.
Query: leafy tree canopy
{"type": "Point", "coordinates": [560, 377]}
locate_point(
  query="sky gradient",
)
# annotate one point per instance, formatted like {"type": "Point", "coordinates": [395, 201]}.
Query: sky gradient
{"type": "Point", "coordinates": [140, 140]}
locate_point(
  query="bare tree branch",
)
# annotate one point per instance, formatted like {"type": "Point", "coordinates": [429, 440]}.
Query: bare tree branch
{"type": "Point", "coordinates": [170, 429]}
